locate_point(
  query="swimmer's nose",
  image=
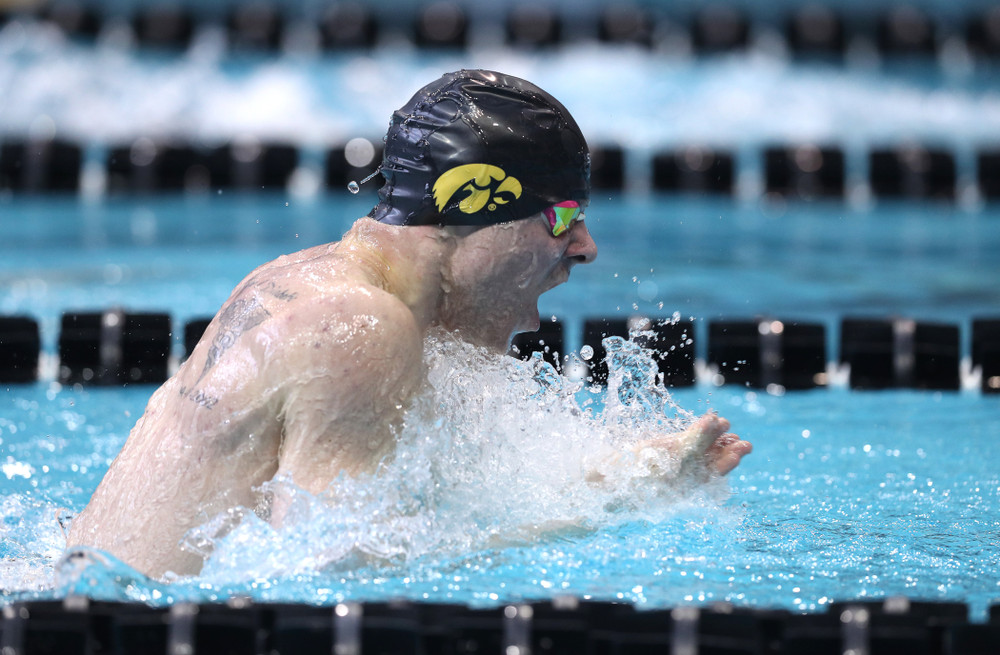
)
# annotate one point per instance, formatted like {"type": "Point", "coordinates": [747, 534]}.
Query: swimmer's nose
{"type": "Point", "coordinates": [582, 249]}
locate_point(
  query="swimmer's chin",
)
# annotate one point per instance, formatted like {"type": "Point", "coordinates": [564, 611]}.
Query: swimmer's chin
{"type": "Point", "coordinates": [531, 323]}
{"type": "Point", "coordinates": [533, 320]}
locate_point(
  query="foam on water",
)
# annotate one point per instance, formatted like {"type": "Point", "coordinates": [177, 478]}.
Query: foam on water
{"type": "Point", "coordinates": [27, 550]}
{"type": "Point", "coordinates": [847, 495]}
{"type": "Point", "coordinates": [493, 452]}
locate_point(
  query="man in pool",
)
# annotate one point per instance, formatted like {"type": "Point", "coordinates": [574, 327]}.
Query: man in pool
{"type": "Point", "coordinates": [309, 365]}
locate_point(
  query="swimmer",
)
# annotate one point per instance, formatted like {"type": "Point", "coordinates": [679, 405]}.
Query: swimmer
{"type": "Point", "coordinates": [312, 360]}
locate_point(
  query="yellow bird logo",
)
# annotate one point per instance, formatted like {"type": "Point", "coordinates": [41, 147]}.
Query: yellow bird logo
{"type": "Point", "coordinates": [485, 185]}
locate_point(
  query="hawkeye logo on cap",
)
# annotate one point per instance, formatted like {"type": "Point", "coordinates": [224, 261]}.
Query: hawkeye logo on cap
{"type": "Point", "coordinates": [487, 186]}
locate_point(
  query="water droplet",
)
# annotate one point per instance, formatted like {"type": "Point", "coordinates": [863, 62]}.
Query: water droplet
{"type": "Point", "coordinates": [353, 187]}
{"type": "Point", "coordinates": [586, 353]}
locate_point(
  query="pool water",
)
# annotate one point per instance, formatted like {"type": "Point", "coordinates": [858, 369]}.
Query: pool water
{"type": "Point", "coordinates": [848, 494]}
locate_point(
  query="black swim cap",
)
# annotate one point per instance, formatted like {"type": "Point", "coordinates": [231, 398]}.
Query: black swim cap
{"type": "Point", "coordinates": [478, 148]}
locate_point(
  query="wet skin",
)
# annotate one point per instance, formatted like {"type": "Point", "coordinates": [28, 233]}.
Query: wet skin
{"type": "Point", "coordinates": [310, 363]}
{"type": "Point", "coordinates": [707, 442]}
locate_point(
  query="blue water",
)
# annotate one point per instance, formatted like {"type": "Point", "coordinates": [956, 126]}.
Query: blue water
{"type": "Point", "coordinates": [847, 494]}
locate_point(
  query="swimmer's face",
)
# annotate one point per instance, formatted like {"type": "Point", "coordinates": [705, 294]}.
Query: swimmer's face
{"type": "Point", "coordinates": [498, 272]}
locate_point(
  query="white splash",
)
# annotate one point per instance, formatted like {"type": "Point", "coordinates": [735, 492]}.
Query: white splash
{"type": "Point", "coordinates": [493, 452]}
{"type": "Point", "coordinates": [13, 468]}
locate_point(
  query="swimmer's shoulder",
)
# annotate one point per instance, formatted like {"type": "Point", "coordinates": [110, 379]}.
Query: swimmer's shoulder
{"type": "Point", "coordinates": [317, 303]}
{"type": "Point", "coordinates": [354, 341]}
{"type": "Point", "coordinates": [355, 309]}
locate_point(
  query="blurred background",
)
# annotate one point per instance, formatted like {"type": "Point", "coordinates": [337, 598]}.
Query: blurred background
{"type": "Point", "coordinates": [760, 168]}
{"type": "Point", "coordinates": [741, 97]}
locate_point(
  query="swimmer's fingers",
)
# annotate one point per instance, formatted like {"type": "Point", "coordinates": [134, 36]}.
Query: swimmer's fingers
{"type": "Point", "coordinates": [721, 442]}
{"type": "Point", "coordinates": [709, 440]}
{"type": "Point", "coordinates": [726, 452]}
{"type": "Point", "coordinates": [697, 440]}
{"type": "Point", "coordinates": [708, 429]}
{"type": "Point", "coordinates": [706, 447]}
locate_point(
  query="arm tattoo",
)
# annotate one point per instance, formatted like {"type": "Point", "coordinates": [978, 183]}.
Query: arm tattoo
{"type": "Point", "coordinates": [199, 397]}
{"type": "Point", "coordinates": [273, 289]}
{"type": "Point", "coordinates": [240, 316]}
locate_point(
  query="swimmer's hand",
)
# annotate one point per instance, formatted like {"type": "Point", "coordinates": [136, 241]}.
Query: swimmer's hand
{"type": "Point", "coordinates": [706, 446]}
{"type": "Point", "coordinates": [707, 442]}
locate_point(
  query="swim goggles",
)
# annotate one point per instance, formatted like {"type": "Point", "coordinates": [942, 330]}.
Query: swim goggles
{"type": "Point", "coordinates": [562, 216]}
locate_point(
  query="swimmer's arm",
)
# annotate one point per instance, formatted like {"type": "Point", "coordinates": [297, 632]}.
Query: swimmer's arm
{"type": "Point", "coordinates": [346, 389]}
